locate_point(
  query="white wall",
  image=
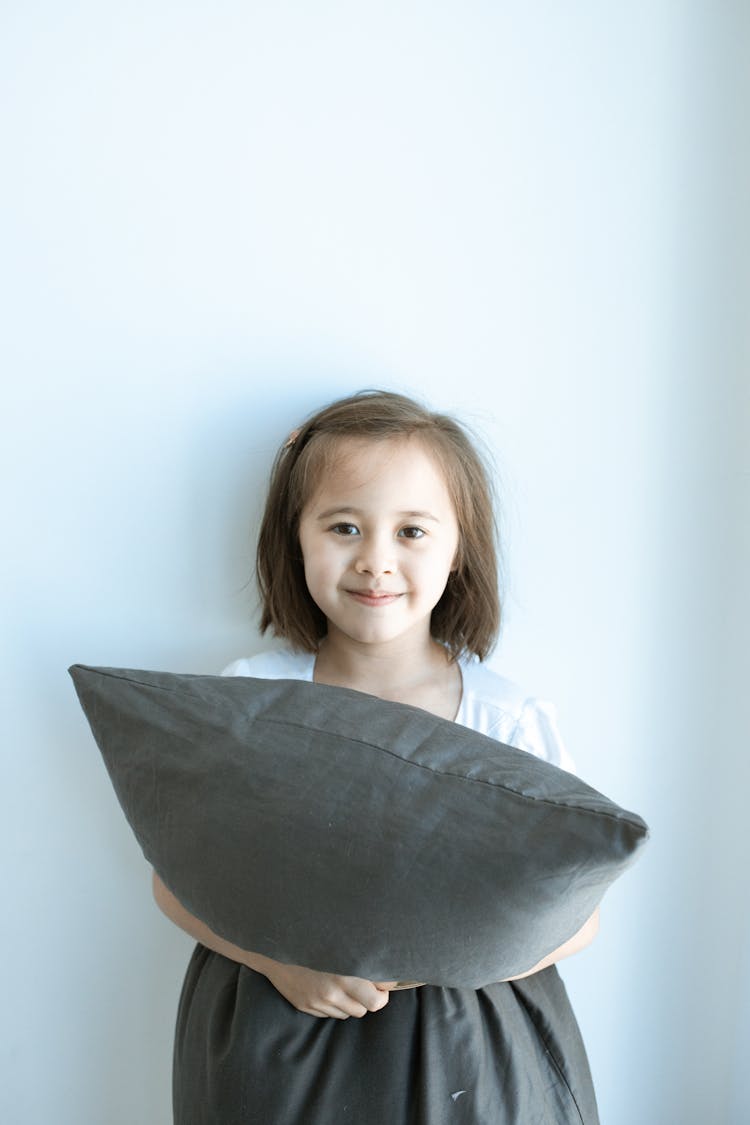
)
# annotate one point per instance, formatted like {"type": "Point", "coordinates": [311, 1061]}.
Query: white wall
{"type": "Point", "coordinates": [216, 217]}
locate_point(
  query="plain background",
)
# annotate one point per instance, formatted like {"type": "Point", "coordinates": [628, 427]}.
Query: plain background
{"type": "Point", "coordinates": [217, 217]}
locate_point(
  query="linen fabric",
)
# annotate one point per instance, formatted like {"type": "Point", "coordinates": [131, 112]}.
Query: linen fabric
{"type": "Point", "coordinates": [325, 827]}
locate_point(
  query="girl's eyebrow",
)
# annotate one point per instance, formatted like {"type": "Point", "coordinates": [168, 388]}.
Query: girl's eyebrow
{"type": "Point", "coordinates": [419, 516]}
{"type": "Point", "coordinates": [326, 515]}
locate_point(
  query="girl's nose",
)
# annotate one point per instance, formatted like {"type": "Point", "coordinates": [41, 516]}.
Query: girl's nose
{"type": "Point", "coordinates": [374, 560]}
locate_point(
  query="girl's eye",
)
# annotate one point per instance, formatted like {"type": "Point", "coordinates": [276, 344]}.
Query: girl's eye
{"type": "Point", "coordinates": [412, 532]}
{"type": "Point", "coordinates": [344, 529]}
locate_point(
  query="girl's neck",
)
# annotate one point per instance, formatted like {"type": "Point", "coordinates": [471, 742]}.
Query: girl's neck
{"type": "Point", "coordinates": [421, 675]}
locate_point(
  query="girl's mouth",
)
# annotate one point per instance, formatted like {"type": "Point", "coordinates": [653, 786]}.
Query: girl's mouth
{"type": "Point", "coordinates": [373, 597]}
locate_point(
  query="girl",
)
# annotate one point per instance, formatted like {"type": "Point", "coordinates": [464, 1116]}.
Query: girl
{"type": "Point", "coordinates": [376, 563]}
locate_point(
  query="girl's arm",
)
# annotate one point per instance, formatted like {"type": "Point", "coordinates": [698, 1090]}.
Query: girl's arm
{"type": "Point", "coordinates": [579, 941]}
{"type": "Point", "coordinates": [317, 994]}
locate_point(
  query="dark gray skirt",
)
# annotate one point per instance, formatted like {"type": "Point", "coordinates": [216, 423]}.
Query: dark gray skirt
{"type": "Point", "coordinates": [508, 1054]}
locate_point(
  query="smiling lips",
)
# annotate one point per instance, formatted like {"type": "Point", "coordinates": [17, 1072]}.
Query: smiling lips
{"type": "Point", "coordinates": [373, 597]}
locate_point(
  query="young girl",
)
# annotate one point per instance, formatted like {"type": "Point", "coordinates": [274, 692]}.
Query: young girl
{"type": "Point", "coordinates": [377, 566]}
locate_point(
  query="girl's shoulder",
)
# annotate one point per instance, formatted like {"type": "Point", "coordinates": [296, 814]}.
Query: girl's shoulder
{"type": "Point", "coordinates": [284, 664]}
{"type": "Point", "coordinates": [500, 708]}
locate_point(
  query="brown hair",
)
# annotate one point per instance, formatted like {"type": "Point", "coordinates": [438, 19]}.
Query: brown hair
{"type": "Point", "coordinates": [467, 617]}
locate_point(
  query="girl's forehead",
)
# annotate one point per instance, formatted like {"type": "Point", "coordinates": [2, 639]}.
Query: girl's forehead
{"type": "Point", "coordinates": [358, 463]}
{"type": "Point", "coordinates": [361, 458]}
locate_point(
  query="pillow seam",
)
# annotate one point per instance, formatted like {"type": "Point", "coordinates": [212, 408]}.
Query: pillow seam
{"type": "Point", "coordinates": [457, 776]}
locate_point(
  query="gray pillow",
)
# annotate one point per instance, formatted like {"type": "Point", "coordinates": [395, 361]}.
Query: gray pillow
{"type": "Point", "coordinates": [324, 827]}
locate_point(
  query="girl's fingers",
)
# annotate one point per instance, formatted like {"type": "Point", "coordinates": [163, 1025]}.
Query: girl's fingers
{"type": "Point", "coordinates": [395, 985]}
{"type": "Point", "coordinates": [350, 997]}
{"type": "Point", "coordinates": [322, 994]}
{"type": "Point", "coordinates": [340, 1010]}
{"type": "Point", "coordinates": [378, 1001]}
{"type": "Point", "coordinates": [365, 993]}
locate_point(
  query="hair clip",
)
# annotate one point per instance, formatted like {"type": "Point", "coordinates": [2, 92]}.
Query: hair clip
{"type": "Point", "coordinates": [291, 439]}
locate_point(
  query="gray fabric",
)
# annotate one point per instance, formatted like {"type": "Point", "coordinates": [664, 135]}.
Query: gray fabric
{"type": "Point", "coordinates": [508, 1054]}
{"type": "Point", "coordinates": [325, 827]}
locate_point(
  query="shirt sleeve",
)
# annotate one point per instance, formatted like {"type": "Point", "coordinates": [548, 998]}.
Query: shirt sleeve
{"type": "Point", "coordinates": [537, 732]}
{"type": "Point", "coordinates": [236, 668]}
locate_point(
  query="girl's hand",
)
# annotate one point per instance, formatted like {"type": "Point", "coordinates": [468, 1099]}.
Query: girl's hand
{"type": "Point", "coordinates": [324, 994]}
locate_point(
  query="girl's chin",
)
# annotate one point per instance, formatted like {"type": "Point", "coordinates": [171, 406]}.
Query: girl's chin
{"type": "Point", "coordinates": [415, 635]}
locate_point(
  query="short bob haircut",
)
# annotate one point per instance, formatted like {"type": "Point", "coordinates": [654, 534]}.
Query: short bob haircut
{"type": "Point", "coordinates": [467, 617]}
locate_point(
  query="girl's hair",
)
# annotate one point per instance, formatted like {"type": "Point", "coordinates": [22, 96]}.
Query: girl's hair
{"type": "Point", "coordinates": [467, 617]}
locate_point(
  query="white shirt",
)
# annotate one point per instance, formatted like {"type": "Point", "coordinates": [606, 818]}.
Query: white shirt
{"type": "Point", "coordinates": [490, 704]}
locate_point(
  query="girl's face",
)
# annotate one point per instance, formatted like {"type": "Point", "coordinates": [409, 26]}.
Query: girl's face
{"type": "Point", "coordinates": [379, 538]}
